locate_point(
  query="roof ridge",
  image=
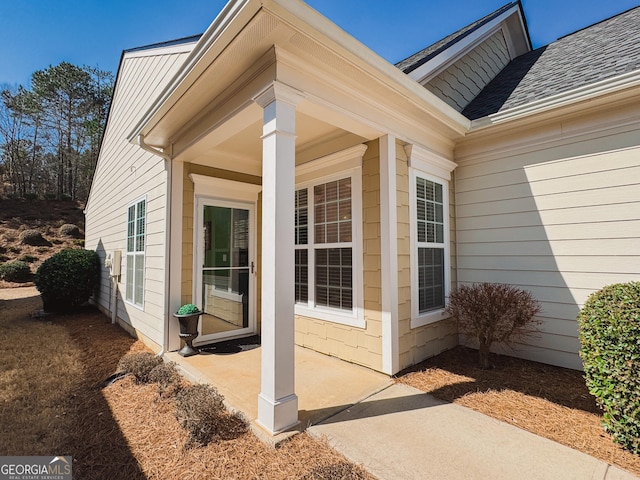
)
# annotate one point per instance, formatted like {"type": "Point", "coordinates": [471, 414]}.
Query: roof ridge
{"type": "Point", "coordinates": [451, 39]}
{"type": "Point", "coordinates": [168, 43]}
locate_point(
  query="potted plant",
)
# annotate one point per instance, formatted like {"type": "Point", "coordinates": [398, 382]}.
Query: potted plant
{"type": "Point", "coordinates": [188, 316]}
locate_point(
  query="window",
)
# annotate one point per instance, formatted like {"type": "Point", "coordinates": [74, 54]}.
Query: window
{"type": "Point", "coordinates": [325, 269]}
{"type": "Point", "coordinates": [429, 232]}
{"type": "Point", "coordinates": [136, 223]}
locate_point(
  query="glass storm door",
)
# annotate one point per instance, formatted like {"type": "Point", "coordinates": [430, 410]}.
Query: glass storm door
{"type": "Point", "coordinates": [225, 283]}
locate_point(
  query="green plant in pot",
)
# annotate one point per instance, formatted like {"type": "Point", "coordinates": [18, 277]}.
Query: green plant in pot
{"type": "Point", "coordinates": [188, 316]}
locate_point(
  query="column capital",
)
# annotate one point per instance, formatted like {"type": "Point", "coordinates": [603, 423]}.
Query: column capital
{"type": "Point", "coordinates": [278, 91]}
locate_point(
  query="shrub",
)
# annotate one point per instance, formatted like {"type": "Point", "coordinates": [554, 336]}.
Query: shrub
{"type": "Point", "coordinates": [69, 230]}
{"type": "Point", "coordinates": [493, 312]}
{"type": "Point", "coordinates": [167, 377]}
{"type": "Point", "coordinates": [79, 242]}
{"type": "Point", "coordinates": [609, 328]}
{"type": "Point", "coordinates": [140, 365]}
{"type": "Point", "coordinates": [67, 279]}
{"type": "Point", "coordinates": [28, 258]}
{"type": "Point", "coordinates": [200, 411]}
{"type": "Point", "coordinates": [15, 271]}
{"type": "Point", "coordinates": [33, 237]}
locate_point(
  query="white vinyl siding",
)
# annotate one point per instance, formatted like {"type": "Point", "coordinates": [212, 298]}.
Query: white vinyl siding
{"type": "Point", "coordinates": [557, 221]}
{"type": "Point", "coordinates": [125, 173]}
{"type": "Point", "coordinates": [134, 278]}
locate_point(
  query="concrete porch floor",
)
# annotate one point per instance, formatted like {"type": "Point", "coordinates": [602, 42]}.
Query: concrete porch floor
{"type": "Point", "coordinates": [325, 385]}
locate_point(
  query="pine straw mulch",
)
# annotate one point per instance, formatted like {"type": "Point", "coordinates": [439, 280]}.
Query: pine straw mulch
{"type": "Point", "coordinates": [53, 402]}
{"type": "Point", "coordinates": [549, 401]}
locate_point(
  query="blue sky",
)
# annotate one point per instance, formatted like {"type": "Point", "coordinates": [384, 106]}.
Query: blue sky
{"type": "Point", "coordinates": [37, 33]}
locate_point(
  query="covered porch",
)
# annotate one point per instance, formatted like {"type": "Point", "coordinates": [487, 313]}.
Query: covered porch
{"type": "Point", "coordinates": [275, 100]}
{"type": "Point", "coordinates": [324, 385]}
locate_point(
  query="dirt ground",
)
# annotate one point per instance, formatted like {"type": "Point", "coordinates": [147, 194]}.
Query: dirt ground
{"type": "Point", "coordinates": [53, 402]}
{"type": "Point", "coordinates": [549, 401]}
{"type": "Point", "coordinates": [45, 216]}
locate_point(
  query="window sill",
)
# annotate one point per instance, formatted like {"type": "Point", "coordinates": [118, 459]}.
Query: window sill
{"type": "Point", "coordinates": [428, 318]}
{"type": "Point", "coordinates": [355, 319]}
{"type": "Point", "coordinates": [134, 305]}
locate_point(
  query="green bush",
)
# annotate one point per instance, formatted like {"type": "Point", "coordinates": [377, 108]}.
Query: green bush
{"type": "Point", "coordinates": [67, 279]}
{"type": "Point", "coordinates": [33, 237]}
{"type": "Point", "coordinates": [15, 271]}
{"type": "Point", "coordinates": [28, 258]}
{"type": "Point", "coordinates": [609, 326]}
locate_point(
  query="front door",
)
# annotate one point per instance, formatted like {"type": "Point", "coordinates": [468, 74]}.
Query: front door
{"type": "Point", "coordinates": [225, 269]}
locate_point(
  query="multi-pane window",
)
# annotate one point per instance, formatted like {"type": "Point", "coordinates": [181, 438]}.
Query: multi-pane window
{"type": "Point", "coordinates": [136, 221]}
{"type": "Point", "coordinates": [323, 260]}
{"type": "Point", "coordinates": [430, 225]}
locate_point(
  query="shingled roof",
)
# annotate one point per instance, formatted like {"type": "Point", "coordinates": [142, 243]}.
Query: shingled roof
{"type": "Point", "coordinates": [418, 59]}
{"type": "Point", "coordinates": [604, 50]}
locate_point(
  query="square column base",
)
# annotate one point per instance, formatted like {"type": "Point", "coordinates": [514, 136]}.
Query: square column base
{"type": "Point", "coordinates": [276, 416]}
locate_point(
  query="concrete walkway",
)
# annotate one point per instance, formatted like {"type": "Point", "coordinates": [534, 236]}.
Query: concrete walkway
{"type": "Point", "coordinates": [393, 430]}
{"type": "Point", "coordinates": [402, 433]}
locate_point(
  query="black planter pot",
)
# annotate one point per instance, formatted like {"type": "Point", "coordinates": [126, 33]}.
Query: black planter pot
{"type": "Point", "coordinates": [188, 332]}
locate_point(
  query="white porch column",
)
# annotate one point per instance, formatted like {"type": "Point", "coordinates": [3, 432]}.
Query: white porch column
{"type": "Point", "coordinates": [277, 402]}
{"type": "Point", "coordinates": [389, 255]}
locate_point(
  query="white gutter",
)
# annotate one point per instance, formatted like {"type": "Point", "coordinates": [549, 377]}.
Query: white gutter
{"type": "Point", "coordinates": [153, 150]}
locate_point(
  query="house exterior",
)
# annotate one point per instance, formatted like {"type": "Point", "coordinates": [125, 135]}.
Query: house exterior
{"type": "Point", "coordinates": [292, 183]}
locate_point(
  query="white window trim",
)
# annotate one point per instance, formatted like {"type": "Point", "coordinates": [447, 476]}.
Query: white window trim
{"type": "Point", "coordinates": [418, 319]}
{"type": "Point", "coordinates": [144, 254]}
{"type": "Point", "coordinates": [355, 318]}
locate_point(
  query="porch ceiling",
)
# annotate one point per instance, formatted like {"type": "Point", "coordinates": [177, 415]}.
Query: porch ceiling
{"type": "Point", "coordinates": [242, 150]}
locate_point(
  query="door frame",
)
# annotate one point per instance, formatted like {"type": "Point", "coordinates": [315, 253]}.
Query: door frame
{"type": "Point", "coordinates": [228, 194]}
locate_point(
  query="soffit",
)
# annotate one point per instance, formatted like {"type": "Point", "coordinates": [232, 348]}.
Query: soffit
{"type": "Point", "coordinates": [213, 72]}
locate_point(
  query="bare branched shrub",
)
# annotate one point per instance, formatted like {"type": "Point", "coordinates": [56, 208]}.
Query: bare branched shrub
{"type": "Point", "coordinates": [167, 377]}
{"type": "Point", "coordinates": [140, 365]}
{"type": "Point", "coordinates": [493, 312]}
{"type": "Point", "coordinates": [200, 411]}
{"type": "Point", "coordinates": [69, 230]}
{"type": "Point", "coordinates": [341, 470]}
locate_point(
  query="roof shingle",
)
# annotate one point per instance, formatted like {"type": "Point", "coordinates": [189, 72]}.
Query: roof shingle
{"type": "Point", "coordinates": [601, 51]}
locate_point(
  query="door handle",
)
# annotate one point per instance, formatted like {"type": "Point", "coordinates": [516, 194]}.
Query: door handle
{"type": "Point", "coordinates": [252, 267]}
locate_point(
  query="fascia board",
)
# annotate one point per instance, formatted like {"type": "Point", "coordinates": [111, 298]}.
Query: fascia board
{"type": "Point", "coordinates": [235, 13]}
{"type": "Point", "coordinates": [448, 56]}
{"type": "Point", "coordinates": [308, 21]}
{"type": "Point", "coordinates": [595, 94]}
